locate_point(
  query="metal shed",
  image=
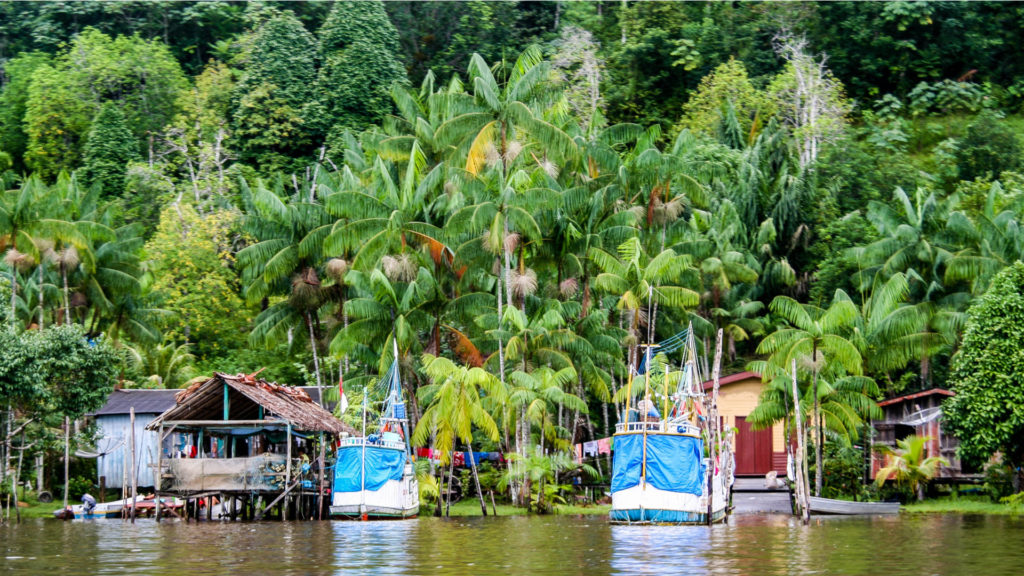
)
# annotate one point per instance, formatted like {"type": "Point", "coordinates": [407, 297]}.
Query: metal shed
{"type": "Point", "coordinates": [115, 430]}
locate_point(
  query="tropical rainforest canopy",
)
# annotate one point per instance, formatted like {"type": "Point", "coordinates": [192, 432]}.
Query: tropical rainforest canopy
{"type": "Point", "coordinates": [529, 188]}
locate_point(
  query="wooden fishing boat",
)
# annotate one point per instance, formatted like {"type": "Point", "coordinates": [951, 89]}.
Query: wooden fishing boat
{"type": "Point", "coordinates": [830, 506]}
{"type": "Point", "coordinates": [373, 475]}
{"type": "Point", "coordinates": [660, 472]}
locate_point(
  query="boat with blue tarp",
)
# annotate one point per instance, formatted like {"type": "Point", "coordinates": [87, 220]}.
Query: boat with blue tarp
{"type": "Point", "coordinates": [670, 466]}
{"type": "Point", "coordinates": [373, 474]}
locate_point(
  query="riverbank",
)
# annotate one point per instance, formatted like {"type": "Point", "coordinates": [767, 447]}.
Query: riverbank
{"type": "Point", "coordinates": [963, 505]}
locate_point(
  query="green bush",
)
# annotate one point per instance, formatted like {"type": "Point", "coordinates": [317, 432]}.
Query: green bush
{"type": "Point", "coordinates": [998, 481]}
{"type": "Point", "coordinates": [78, 486]}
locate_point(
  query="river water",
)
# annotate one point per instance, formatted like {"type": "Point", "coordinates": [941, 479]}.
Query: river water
{"type": "Point", "coordinates": [761, 545]}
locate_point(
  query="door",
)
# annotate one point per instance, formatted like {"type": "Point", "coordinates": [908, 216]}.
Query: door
{"type": "Point", "coordinates": [753, 449]}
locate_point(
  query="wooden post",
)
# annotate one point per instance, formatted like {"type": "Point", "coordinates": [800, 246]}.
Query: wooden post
{"type": "Point", "coordinates": [801, 481]}
{"type": "Point", "coordinates": [320, 479]}
{"type": "Point", "coordinates": [287, 469]}
{"type": "Point", "coordinates": [158, 473]}
{"type": "Point", "coordinates": [134, 478]}
{"type": "Point", "coordinates": [713, 436]}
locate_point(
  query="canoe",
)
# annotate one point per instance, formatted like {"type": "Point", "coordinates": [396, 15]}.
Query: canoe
{"type": "Point", "coordinates": [830, 506]}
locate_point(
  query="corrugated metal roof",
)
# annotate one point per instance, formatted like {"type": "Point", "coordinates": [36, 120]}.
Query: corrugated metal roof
{"type": "Point", "coordinates": [205, 401]}
{"type": "Point", "coordinates": [144, 402]}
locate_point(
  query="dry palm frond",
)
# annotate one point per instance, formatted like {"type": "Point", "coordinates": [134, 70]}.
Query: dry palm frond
{"type": "Point", "coordinates": [568, 287]}
{"type": "Point", "coordinates": [524, 284]}
{"type": "Point", "coordinates": [336, 268]}
{"type": "Point", "coordinates": [667, 212]}
{"type": "Point", "coordinates": [549, 167]}
{"type": "Point", "coordinates": [465, 350]}
{"type": "Point", "coordinates": [400, 268]}
{"type": "Point", "coordinates": [511, 241]}
{"type": "Point", "coordinates": [512, 150]}
{"type": "Point", "coordinates": [78, 300]}
{"type": "Point", "coordinates": [18, 259]}
{"type": "Point", "coordinates": [66, 258]}
{"type": "Point", "coordinates": [491, 155]}
{"type": "Point", "coordinates": [813, 364]}
{"type": "Point", "coordinates": [43, 245]}
{"type": "Point", "coordinates": [305, 289]}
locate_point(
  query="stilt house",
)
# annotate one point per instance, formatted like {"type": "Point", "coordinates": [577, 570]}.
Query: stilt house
{"type": "Point", "coordinates": [243, 437]}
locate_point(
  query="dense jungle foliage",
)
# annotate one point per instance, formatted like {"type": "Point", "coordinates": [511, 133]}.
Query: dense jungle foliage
{"type": "Point", "coordinates": [529, 188]}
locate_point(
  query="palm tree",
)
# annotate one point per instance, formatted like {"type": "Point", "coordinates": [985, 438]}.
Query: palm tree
{"type": "Point", "coordinates": [454, 406]}
{"type": "Point", "coordinates": [496, 125]}
{"type": "Point", "coordinates": [165, 365]}
{"type": "Point", "coordinates": [284, 261]}
{"type": "Point", "coordinates": [908, 466]}
{"type": "Point", "coordinates": [815, 339]}
{"type": "Point", "coordinates": [638, 281]}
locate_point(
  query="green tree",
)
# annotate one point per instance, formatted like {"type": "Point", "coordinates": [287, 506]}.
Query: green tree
{"type": "Point", "coordinates": [727, 84]}
{"type": "Point", "coordinates": [190, 259]}
{"type": "Point", "coordinates": [17, 73]}
{"type": "Point", "coordinates": [359, 48]}
{"type": "Point", "coordinates": [108, 150]}
{"type": "Point", "coordinates": [987, 413]}
{"type": "Point", "coordinates": [140, 76]}
{"type": "Point", "coordinates": [989, 148]}
{"type": "Point", "coordinates": [272, 121]}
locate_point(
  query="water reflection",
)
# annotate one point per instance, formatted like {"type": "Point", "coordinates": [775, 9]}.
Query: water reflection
{"type": "Point", "coordinates": [660, 549]}
{"type": "Point", "coordinates": [762, 545]}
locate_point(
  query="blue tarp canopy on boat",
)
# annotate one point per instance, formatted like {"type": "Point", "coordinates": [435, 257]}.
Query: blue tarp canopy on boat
{"type": "Point", "coordinates": [382, 464]}
{"type": "Point", "coordinates": [674, 463]}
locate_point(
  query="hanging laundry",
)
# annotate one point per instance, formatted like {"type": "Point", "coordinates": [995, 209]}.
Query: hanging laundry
{"type": "Point", "coordinates": [578, 449]}
{"type": "Point", "coordinates": [423, 452]}
{"type": "Point", "coordinates": [590, 449]}
{"type": "Point", "coordinates": [604, 446]}
{"type": "Point", "coordinates": [459, 458]}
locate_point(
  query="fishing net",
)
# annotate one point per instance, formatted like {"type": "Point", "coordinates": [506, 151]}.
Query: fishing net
{"type": "Point", "coordinates": [263, 472]}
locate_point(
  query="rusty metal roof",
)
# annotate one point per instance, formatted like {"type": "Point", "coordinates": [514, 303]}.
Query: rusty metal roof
{"type": "Point", "coordinates": [246, 394]}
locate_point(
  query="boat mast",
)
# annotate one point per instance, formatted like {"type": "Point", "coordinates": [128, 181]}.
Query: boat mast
{"type": "Point", "coordinates": [362, 479]}
{"type": "Point", "coordinates": [647, 386]}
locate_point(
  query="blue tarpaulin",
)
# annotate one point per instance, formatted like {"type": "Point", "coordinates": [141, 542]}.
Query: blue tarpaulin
{"type": "Point", "coordinates": [674, 463]}
{"type": "Point", "coordinates": [382, 464]}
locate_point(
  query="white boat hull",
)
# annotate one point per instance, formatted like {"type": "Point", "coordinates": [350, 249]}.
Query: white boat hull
{"type": "Point", "coordinates": [395, 499]}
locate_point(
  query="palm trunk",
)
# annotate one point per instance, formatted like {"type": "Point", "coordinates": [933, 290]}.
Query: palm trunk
{"type": "Point", "coordinates": [14, 297]}
{"type": "Point", "coordinates": [67, 300]}
{"type": "Point", "coordinates": [316, 359]}
{"type": "Point", "coordinates": [818, 437]}
{"type": "Point", "coordinates": [476, 477]}
{"type": "Point", "coordinates": [451, 476]}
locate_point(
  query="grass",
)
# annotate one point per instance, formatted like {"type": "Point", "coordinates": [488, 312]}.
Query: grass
{"type": "Point", "coordinates": [35, 509]}
{"type": "Point", "coordinates": [471, 507]}
{"type": "Point", "coordinates": [962, 505]}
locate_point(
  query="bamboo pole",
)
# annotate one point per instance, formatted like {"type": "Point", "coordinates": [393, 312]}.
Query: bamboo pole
{"type": "Point", "coordinates": [801, 481]}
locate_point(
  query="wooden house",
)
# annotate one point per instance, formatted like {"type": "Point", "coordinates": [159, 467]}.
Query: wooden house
{"type": "Point", "coordinates": [757, 452]}
{"type": "Point", "coordinates": [919, 414]}
{"type": "Point", "coordinates": [243, 439]}
{"type": "Point", "coordinates": [114, 424]}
